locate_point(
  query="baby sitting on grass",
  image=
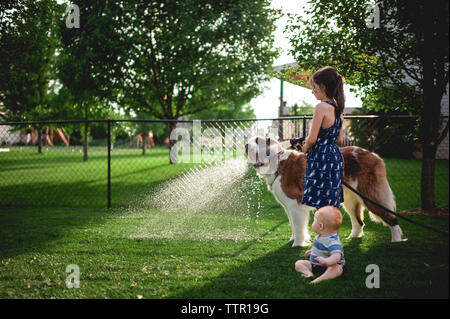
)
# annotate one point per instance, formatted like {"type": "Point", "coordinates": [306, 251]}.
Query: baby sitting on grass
{"type": "Point", "coordinates": [326, 258]}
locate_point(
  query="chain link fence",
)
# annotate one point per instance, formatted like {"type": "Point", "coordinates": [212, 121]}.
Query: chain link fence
{"type": "Point", "coordinates": [47, 164]}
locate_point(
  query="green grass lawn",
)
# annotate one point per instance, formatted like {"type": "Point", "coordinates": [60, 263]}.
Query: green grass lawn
{"type": "Point", "coordinates": [404, 176]}
{"type": "Point", "coordinates": [133, 250]}
{"type": "Point", "coordinates": [132, 253]}
{"type": "Point", "coordinates": [60, 178]}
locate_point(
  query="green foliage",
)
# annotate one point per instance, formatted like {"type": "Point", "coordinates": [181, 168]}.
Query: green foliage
{"type": "Point", "coordinates": [160, 129]}
{"type": "Point", "coordinates": [304, 109]}
{"type": "Point", "coordinates": [27, 52]}
{"type": "Point", "coordinates": [394, 101]}
{"type": "Point", "coordinates": [89, 64]}
{"type": "Point", "coordinates": [191, 56]}
{"type": "Point", "coordinates": [335, 33]}
{"type": "Point", "coordinates": [235, 111]}
{"type": "Point", "coordinates": [163, 58]}
{"type": "Point", "coordinates": [386, 136]}
{"type": "Point", "coordinates": [295, 75]}
{"type": "Point", "coordinates": [389, 136]}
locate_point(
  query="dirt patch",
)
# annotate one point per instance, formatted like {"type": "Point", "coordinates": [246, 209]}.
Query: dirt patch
{"type": "Point", "coordinates": [417, 211]}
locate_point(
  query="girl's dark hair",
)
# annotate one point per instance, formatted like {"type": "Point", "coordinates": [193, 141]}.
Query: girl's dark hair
{"type": "Point", "coordinates": [333, 82]}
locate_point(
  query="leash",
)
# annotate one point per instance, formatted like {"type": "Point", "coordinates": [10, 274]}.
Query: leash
{"type": "Point", "coordinates": [394, 213]}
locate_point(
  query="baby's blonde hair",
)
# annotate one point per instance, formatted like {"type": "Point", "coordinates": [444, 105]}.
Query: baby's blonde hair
{"type": "Point", "coordinates": [330, 216]}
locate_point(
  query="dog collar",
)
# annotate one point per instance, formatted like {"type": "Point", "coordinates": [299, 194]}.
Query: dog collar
{"type": "Point", "coordinates": [277, 172]}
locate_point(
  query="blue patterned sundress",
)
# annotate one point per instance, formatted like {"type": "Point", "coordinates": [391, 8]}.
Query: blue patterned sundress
{"type": "Point", "coordinates": [325, 169]}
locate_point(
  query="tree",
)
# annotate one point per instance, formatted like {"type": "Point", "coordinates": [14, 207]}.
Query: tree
{"type": "Point", "coordinates": [27, 53]}
{"type": "Point", "coordinates": [191, 56]}
{"type": "Point", "coordinates": [89, 64]}
{"type": "Point", "coordinates": [394, 134]}
{"type": "Point", "coordinates": [236, 111]}
{"type": "Point", "coordinates": [304, 109]}
{"type": "Point", "coordinates": [408, 51]}
{"type": "Point", "coordinates": [168, 58]}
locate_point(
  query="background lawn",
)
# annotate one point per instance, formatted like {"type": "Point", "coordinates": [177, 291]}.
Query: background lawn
{"type": "Point", "coordinates": [59, 178]}
{"type": "Point", "coordinates": [133, 250]}
{"type": "Point", "coordinates": [154, 254]}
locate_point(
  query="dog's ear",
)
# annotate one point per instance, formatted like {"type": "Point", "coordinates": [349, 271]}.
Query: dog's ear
{"type": "Point", "coordinates": [297, 147]}
{"type": "Point", "coordinates": [296, 143]}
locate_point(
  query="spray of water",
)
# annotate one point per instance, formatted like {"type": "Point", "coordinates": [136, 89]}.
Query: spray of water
{"type": "Point", "coordinates": [217, 201]}
{"type": "Point", "coordinates": [219, 188]}
{"type": "Point", "coordinates": [205, 203]}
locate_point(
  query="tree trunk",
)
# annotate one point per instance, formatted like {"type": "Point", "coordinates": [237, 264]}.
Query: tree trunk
{"type": "Point", "coordinates": [173, 159]}
{"type": "Point", "coordinates": [431, 112]}
{"type": "Point", "coordinates": [427, 180]}
{"type": "Point", "coordinates": [39, 141]}
{"type": "Point", "coordinates": [430, 132]}
{"type": "Point", "coordinates": [144, 144]}
{"type": "Point", "coordinates": [85, 138]}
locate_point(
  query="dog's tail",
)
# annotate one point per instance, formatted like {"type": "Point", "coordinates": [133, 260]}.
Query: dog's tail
{"type": "Point", "coordinates": [385, 197]}
{"type": "Point", "coordinates": [377, 188]}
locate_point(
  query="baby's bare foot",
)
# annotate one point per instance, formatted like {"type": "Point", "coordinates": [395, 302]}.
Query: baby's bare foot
{"type": "Point", "coordinates": [307, 275]}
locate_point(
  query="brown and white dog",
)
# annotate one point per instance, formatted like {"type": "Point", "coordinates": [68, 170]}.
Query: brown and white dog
{"type": "Point", "coordinates": [284, 172]}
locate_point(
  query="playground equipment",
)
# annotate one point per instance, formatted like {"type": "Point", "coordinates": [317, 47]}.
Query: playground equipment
{"type": "Point", "coordinates": [149, 140]}
{"type": "Point", "coordinates": [132, 139]}
{"type": "Point", "coordinates": [49, 137]}
{"type": "Point", "coordinates": [61, 136]}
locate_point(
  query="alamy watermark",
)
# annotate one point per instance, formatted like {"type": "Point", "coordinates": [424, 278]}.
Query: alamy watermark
{"type": "Point", "coordinates": [372, 19]}
{"type": "Point", "coordinates": [208, 145]}
{"type": "Point", "coordinates": [73, 279]}
{"type": "Point", "coordinates": [373, 16]}
{"type": "Point", "coordinates": [73, 16]}
{"type": "Point", "coordinates": [373, 280]}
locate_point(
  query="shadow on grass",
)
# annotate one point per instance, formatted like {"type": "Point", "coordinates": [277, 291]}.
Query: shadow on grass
{"type": "Point", "coordinates": [55, 194]}
{"type": "Point", "coordinates": [76, 195]}
{"type": "Point", "coordinates": [34, 161]}
{"type": "Point", "coordinates": [256, 241]}
{"type": "Point", "coordinates": [265, 277]}
{"type": "Point", "coordinates": [91, 191]}
{"type": "Point", "coordinates": [407, 270]}
{"type": "Point", "coordinates": [30, 230]}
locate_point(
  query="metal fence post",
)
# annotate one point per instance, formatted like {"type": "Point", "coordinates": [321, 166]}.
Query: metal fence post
{"type": "Point", "coordinates": [109, 164]}
{"type": "Point", "coordinates": [304, 127]}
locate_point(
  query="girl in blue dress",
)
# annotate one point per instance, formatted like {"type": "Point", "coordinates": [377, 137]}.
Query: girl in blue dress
{"type": "Point", "coordinates": [325, 164]}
